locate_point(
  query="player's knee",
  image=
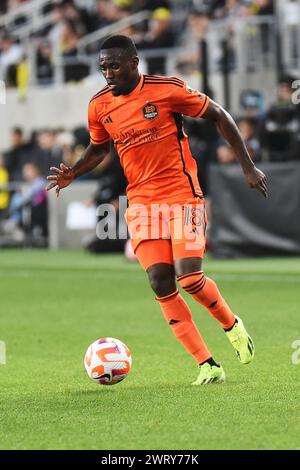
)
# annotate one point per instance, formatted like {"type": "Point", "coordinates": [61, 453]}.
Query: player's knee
{"type": "Point", "coordinates": [162, 279]}
{"type": "Point", "coordinates": [188, 265]}
{"type": "Point", "coordinates": [162, 285]}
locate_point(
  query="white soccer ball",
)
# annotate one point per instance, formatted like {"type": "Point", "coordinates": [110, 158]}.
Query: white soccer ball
{"type": "Point", "coordinates": [107, 361]}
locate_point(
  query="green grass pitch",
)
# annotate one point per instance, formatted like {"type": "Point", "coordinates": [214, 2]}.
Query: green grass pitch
{"type": "Point", "coordinates": [54, 304]}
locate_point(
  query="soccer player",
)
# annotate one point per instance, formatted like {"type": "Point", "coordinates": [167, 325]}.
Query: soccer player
{"type": "Point", "coordinates": [142, 115]}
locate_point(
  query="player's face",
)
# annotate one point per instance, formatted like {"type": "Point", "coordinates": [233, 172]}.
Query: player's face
{"type": "Point", "coordinates": [119, 70]}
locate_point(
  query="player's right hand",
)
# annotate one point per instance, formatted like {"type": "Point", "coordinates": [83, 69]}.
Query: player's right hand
{"type": "Point", "coordinates": [62, 178]}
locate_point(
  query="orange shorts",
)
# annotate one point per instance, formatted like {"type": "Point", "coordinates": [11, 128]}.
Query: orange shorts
{"type": "Point", "coordinates": [162, 233]}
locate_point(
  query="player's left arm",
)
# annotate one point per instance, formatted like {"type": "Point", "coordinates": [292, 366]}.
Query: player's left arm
{"type": "Point", "coordinates": [229, 130]}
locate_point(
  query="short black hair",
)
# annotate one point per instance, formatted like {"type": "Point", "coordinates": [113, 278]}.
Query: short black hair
{"type": "Point", "coordinates": [120, 42]}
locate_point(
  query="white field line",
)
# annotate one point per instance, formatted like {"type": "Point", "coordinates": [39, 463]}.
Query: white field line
{"type": "Point", "coordinates": [139, 275]}
{"type": "Point", "coordinates": [257, 277]}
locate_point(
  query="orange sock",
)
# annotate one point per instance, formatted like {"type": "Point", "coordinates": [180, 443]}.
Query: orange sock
{"type": "Point", "coordinates": [205, 291]}
{"type": "Point", "coordinates": [179, 317]}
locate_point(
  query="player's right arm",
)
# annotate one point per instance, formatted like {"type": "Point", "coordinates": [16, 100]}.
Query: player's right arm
{"type": "Point", "coordinates": [93, 155]}
{"type": "Point", "coordinates": [63, 176]}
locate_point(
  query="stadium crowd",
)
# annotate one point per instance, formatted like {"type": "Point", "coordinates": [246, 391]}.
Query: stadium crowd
{"type": "Point", "coordinates": [69, 21]}
{"type": "Point", "coordinates": [216, 8]}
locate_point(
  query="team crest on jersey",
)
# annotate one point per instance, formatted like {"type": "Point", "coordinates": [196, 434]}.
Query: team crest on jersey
{"type": "Point", "coordinates": [150, 111]}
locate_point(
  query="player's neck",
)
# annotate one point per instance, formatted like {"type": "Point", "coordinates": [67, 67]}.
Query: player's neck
{"type": "Point", "coordinates": [134, 84]}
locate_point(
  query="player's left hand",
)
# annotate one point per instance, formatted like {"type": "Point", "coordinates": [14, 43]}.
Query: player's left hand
{"type": "Point", "coordinates": [257, 180]}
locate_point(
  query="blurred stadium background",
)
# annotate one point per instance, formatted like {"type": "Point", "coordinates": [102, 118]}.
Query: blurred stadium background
{"type": "Point", "coordinates": [243, 53]}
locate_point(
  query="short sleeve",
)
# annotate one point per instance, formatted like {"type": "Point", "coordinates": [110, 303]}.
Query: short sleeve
{"type": "Point", "coordinates": [185, 100]}
{"type": "Point", "coordinates": [98, 133]}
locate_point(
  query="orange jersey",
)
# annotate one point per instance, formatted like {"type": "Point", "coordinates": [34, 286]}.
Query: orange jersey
{"type": "Point", "coordinates": [146, 129]}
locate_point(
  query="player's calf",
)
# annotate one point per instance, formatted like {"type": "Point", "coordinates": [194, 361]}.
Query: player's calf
{"type": "Point", "coordinates": [206, 292]}
{"type": "Point", "coordinates": [179, 317]}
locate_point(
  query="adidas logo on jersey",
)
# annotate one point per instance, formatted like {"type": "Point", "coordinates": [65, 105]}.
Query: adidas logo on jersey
{"type": "Point", "coordinates": [108, 120]}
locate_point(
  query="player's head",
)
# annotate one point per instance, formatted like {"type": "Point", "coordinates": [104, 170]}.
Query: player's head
{"type": "Point", "coordinates": [119, 64]}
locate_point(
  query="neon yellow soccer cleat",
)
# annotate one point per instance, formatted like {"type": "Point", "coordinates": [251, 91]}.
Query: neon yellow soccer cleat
{"type": "Point", "coordinates": [210, 375]}
{"type": "Point", "coordinates": [241, 342]}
